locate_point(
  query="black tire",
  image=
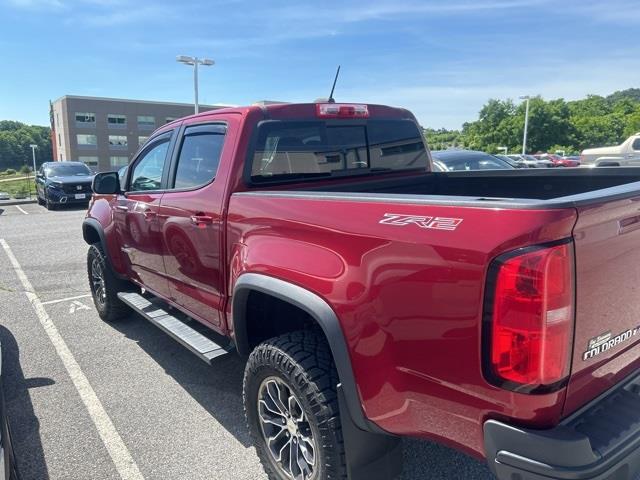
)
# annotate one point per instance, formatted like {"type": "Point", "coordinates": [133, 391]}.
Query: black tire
{"type": "Point", "coordinates": [105, 291]}
{"type": "Point", "coordinates": [302, 362]}
{"type": "Point", "coordinates": [39, 199]}
{"type": "Point", "coordinates": [48, 204]}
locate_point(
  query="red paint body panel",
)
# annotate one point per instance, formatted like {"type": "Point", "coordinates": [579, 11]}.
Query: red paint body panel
{"type": "Point", "coordinates": [192, 251]}
{"type": "Point", "coordinates": [409, 300]}
{"type": "Point", "coordinates": [607, 237]}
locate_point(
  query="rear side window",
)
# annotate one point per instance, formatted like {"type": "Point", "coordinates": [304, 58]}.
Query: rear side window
{"type": "Point", "coordinates": [199, 155]}
{"type": "Point", "coordinates": [636, 144]}
{"type": "Point", "coordinates": [300, 150]}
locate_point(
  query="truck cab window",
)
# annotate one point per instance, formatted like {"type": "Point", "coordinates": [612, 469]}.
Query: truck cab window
{"type": "Point", "coordinates": [309, 149]}
{"type": "Point", "coordinates": [199, 158]}
{"type": "Point", "coordinates": [147, 172]}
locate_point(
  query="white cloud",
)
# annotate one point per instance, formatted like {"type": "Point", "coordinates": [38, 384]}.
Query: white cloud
{"type": "Point", "coordinates": [381, 10]}
{"type": "Point", "coordinates": [36, 4]}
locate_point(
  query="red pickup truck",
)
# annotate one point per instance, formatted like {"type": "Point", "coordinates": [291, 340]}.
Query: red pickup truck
{"type": "Point", "coordinates": [496, 312]}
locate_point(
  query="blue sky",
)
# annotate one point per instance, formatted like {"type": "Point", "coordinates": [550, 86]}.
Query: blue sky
{"type": "Point", "coordinates": [440, 59]}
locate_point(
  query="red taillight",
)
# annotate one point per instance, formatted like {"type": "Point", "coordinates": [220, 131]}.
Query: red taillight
{"type": "Point", "coordinates": [529, 321]}
{"type": "Point", "coordinates": [342, 110]}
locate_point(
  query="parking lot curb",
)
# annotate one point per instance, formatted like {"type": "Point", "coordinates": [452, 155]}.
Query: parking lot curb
{"type": "Point", "coordinates": [17, 202]}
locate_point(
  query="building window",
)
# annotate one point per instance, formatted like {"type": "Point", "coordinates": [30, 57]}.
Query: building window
{"type": "Point", "coordinates": [59, 141]}
{"type": "Point", "coordinates": [146, 122]}
{"type": "Point", "coordinates": [116, 121]}
{"type": "Point", "coordinates": [169, 119]}
{"type": "Point", "coordinates": [89, 161]}
{"type": "Point", "coordinates": [142, 139]}
{"type": "Point", "coordinates": [84, 119]}
{"type": "Point", "coordinates": [117, 141]}
{"type": "Point", "coordinates": [86, 140]}
{"type": "Point", "coordinates": [118, 161]}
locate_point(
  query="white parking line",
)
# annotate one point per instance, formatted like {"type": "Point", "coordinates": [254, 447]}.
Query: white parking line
{"type": "Point", "coordinates": [124, 463]}
{"type": "Point", "coordinates": [21, 209]}
{"type": "Point", "coordinates": [50, 302]}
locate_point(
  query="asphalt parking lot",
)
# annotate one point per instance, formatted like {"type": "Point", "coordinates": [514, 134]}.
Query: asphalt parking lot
{"type": "Point", "coordinates": [168, 414]}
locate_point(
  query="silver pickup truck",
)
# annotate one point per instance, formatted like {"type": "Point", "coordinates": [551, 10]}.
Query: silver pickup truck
{"type": "Point", "coordinates": [627, 154]}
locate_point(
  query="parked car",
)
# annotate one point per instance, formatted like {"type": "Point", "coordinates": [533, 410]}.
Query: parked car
{"type": "Point", "coordinates": [456, 159]}
{"type": "Point", "coordinates": [627, 154]}
{"type": "Point", "coordinates": [511, 161]}
{"type": "Point", "coordinates": [375, 299]}
{"type": "Point", "coordinates": [557, 160]}
{"type": "Point", "coordinates": [531, 161]}
{"type": "Point", "coordinates": [63, 183]}
{"type": "Point", "coordinates": [5, 196]}
{"type": "Point", "coordinates": [8, 466]}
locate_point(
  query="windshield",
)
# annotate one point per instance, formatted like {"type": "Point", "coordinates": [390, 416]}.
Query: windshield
{"type": "Point", "coordinates": [68, 170]}
{"type": "Point", "coordinates": [299, 150]}
{"type": "Point", "coordinates": [464, 160]}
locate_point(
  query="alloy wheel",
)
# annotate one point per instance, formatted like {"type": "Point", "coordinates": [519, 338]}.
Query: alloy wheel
{"type": "Point", "coordinates": [286, 429]}
{"type": "Point", "coordinates": [97, 281]}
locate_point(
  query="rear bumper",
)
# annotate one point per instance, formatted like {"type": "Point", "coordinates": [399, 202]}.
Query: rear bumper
{"type": "Point", "coordinates": [599, 442]}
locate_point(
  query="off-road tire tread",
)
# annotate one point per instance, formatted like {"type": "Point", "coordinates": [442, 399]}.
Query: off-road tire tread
{"type": "Point", "coordinates": [114, 309]}
{"type": "Point", "coordinates": [302, 357]}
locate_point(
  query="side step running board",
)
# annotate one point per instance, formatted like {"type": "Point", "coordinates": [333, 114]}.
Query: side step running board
{"type": "Point", "coordinates": [201, 345]}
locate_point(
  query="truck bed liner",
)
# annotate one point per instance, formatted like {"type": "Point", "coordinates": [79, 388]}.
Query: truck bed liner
{"type": "Point", "coordinates": [534, 188]}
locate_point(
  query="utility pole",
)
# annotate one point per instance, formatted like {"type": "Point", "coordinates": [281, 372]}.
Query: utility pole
{"type": "Point", "coordinates": [526, 123]}
{"type": "Point", "coordinates": [33, 155]}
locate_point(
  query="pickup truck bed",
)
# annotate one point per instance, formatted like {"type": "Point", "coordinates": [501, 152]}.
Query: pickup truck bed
{"type": "Point", "coordinates": [424, 303]}
{"type": "Point", "coordinates": [512, 187]}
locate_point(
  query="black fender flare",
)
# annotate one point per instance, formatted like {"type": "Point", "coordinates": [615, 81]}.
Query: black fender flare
{"type": "Point", "coordinates": [93, 224]}
{"type": "Point", "coordinates": [324, 316]}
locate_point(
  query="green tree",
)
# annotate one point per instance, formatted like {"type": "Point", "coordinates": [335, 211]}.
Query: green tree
{"type": "Point", "coordinates": [15, 138]}
{"type": "Point", "coordinates": [553, 125]}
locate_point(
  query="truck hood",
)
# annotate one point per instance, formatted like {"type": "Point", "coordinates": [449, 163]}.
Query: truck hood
{"type": "Point", "coordinates": [72, 179]}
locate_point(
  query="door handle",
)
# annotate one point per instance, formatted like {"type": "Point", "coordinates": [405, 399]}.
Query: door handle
{"type": "Point", "coordinates": [201, 219]}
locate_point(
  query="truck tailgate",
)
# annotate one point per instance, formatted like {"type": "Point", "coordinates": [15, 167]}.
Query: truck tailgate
{"type": "Point", "coordinates": [607, 333]}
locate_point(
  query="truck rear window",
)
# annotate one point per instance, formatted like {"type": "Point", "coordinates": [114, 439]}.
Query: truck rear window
{"type": "Point", "coordinates": [313, 149]}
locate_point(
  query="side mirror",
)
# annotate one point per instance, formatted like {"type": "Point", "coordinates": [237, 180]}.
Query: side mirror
{"type": "Point", "coordinates": [106, 183]}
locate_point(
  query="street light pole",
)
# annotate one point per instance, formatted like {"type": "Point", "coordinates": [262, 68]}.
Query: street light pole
{"type": "Point", "coordinates": [526, 124]}
{"type": "Point", "coordinates": [33, 154]}
{"type": "Point", "coordinates": [195, 85]}
{"type": "Point", "coordinates": [195, 61]}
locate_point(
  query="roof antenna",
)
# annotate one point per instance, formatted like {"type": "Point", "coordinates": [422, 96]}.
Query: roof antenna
{"type": "Point", "coordinates": [331, 100]}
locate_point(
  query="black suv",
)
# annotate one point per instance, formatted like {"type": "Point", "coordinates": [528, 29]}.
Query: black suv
{"type": "Point", "coordinates": [63, 183]}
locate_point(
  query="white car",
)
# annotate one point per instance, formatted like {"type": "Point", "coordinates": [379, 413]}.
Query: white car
{"type": "Point", "coordinates": [532, 162]}
{"type": "Point", "coordinates": [627, 154]}
{"type": "Point", "coordinates": [5, 196]}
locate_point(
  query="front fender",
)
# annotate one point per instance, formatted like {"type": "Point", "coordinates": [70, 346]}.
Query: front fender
{"type": "Point", "coordinates": [98, 226]}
